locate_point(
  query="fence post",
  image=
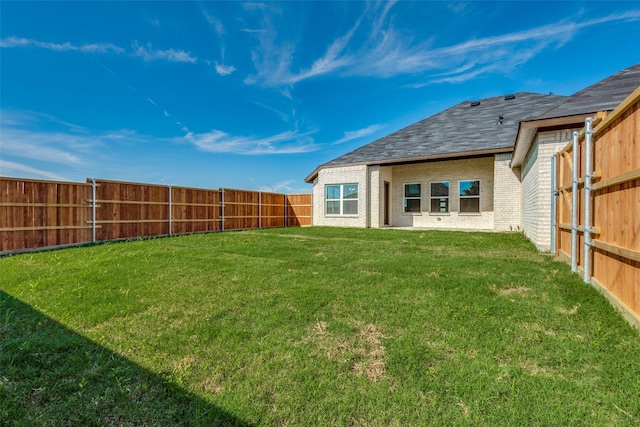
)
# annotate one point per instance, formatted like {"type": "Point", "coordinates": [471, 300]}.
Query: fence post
{"type": "Point", "coordinates": [170, 209]}
{"type": "Point", "coordinates": [574, 201]}
{"type": "Point", "coordinates": [588, 165]}
{"type": "Point", "coordinates": [259, 209]}
{"type": "Point", "coordinates": [222, 211]}
{"type": "Point", "coordinates": [93, 210]}
{"type": "Point", "coordinates": [286, 219]}
{"type": "Point", "coordinates": [554, 200]}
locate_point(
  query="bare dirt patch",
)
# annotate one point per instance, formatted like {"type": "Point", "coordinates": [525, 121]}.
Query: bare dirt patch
{"type": "Point", "coordinates": [211, 385]}
{"type": "Point", "coordinates": [569, 312]}
{"type": "Point", "coordinates": [361, 349]}
{"type": "Point", "coordinates": [520, 291]}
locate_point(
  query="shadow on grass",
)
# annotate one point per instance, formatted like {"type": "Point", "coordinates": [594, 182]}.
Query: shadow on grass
{"type": "Point", "coordinates": [50, 375]}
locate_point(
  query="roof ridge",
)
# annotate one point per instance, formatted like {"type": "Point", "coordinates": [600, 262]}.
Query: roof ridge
{"type": "Point", "coordinates": [615, 81]}
{"type": "Point", "coordinates": [611, 78]}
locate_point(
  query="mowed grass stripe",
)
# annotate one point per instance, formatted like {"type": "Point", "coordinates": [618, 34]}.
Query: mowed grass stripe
{"type": "Point", "coordinates": [311, 326]}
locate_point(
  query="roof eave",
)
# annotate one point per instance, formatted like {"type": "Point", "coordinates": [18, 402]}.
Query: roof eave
{"type": "Point", "coordinates": [418, 159]}
{"type": "Point", "coordinates": [528, 129]}
{"type": "Point", "coordinates": [446, 156]}
{"type": "Point", "coordinates": [309, 179]}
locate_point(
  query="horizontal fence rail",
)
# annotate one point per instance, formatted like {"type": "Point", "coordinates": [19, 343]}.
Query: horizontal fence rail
{"type": "Point", "coordinates": [42, 214]}
{"type": "Point", "coordinates": [598, 205]}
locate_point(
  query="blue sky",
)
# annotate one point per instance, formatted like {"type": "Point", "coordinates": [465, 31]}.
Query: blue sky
{"type": "Point", "coordinates": [256, 95]}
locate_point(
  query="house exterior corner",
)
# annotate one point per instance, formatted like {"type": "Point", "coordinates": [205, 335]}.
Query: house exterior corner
{"type": "Point", "coordinates": [537, 188]}
{"type": "Point", "coordinates": [338, 196]}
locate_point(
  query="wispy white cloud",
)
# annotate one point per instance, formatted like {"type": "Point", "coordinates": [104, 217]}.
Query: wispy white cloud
{"type": "Point", "coordinates": [221, 68]}
{"type": "Point", "coordinates": [33, 137]}
{"type": "Point", "coordinates": [273, 59]}
{"type": "Point", "coordinates": [214, 22]}
{"type": "Point", "coordinates": [53, 147]}
{"type": "Point", "coordinates": [253, 5]}
{"type": "Point", "coordinates": [278, 187]}
{"type": "Point", "coordinates": [217, 141]}
{"type": "Point", "coordinates": [147, 52]}
{"type": "Point", "coordinates": [183, 127]}
{"type": "Point", "coordinates": [333, 58]}
{"type": "Point", "coordinates": [494, 54]}
{"type": "Point", "coordinates": [16, 42]}
{"type": "Point", "coordinates": [285, 117]}
{"type": "Point", "coordinates": [380, 16]}
{"type": "Point", "coordinates": [21, 118]}
{"type": "Point", "coordinates": [8, 168]}
{"type": "Point", "coordinates": [360, 133]}
{"type": "Point", "coordinates": [22, 137]}
{"type": "Point", "coordinates": [383, 52]}
{"type": "Point", "coordinates": [224, 70]}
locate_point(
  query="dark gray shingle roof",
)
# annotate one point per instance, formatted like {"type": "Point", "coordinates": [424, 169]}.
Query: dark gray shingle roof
{"type": "Point", "coordinates": [458, 130]}
{"type": "Point", "coordinates": [602, 96]}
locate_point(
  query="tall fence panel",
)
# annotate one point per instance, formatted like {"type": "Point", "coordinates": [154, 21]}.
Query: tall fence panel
{"type": "Point", "coordinates": [241, 209]}
{"type": "Point", "coordinates": [564, 202]}
{"type": "Point", "coordinates": [43, 213]}
{"type": "Point", "coordinates": [128, 210]}
{"type": "Point", "coordinates": [39, 214]}
{"type": "Point", "coordinates": [272, 210]}
{"type": "Point", "coordinates": [616, 206]}
{"type": "Point", "coordinates": [195, 210]}
{"type": "Point", "coordinates": [610, 196]}
{"type": "Point", "coordinates": [299, 210]}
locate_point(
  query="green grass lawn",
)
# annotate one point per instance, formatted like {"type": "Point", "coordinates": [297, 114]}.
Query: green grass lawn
{"type": "Point", "coordinates": [311, 326]}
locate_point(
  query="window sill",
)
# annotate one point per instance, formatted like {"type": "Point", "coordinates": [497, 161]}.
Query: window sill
{"type": "Point", "coordinates": [439, 213]}
{"type": "Point", "coordinates": [341, 216]}
{"type": "Point", "coordinates": [469, 213]}
{"type": "Point", "coordinates": [412, 213]}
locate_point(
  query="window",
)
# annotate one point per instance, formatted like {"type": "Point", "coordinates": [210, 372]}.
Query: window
{"type": "Point", "coordinates": [469, 196]}
{"type": "Point", "coordinates": [341, 199]}
{"type": "Point", "coordinates": [412, 198]}
{"type": "Point", "coordinates": [439, 197]}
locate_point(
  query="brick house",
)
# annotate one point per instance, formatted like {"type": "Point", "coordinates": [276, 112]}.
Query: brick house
{"type": "Point", "coordinates": [480, 165]}
{"type": "Point", "coordinates": [448, 171]}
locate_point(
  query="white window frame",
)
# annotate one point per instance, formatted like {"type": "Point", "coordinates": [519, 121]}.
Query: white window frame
{"type": "Point", "coordinates": [460, 196]}
{"type": "Point", "coordinates": [341, 200]}
{"type": "Point", "coordinates": [405, 198]}
{"type": "Point", "coordinates": [432, 197]}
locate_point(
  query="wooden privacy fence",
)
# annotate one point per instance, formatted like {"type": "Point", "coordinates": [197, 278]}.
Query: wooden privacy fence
{"type": "Point", "coordinates": [598, 205]}
{"type": "Point", "coordinates": [39, 214]}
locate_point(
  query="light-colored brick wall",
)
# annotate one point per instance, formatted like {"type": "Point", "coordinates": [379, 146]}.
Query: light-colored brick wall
{"type": "Point", "coordinates": [386, 175]}
{"type": "Point", "coordinates": [378, 175]}
{"type": "Point", "coordinates": [340, 175]}
{"type": "Point", "coordinates": [536, 186]}
{"type": "Point", "coordinates": [529, 193]}
{"type": "Point", "coordinates": [506, 200]}
{"type": "Point", "coordinates": [550, 143]}
{"type": "Point", "coordinates": [452, 171]}
{"type": "Point", "coordinates": [375, 194]}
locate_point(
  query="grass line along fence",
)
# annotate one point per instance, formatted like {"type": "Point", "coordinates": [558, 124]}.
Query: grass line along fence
{"type": "Point", "coordinates": [41, 214]}
{"type": "Point", "coordinates": [598, 205]}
